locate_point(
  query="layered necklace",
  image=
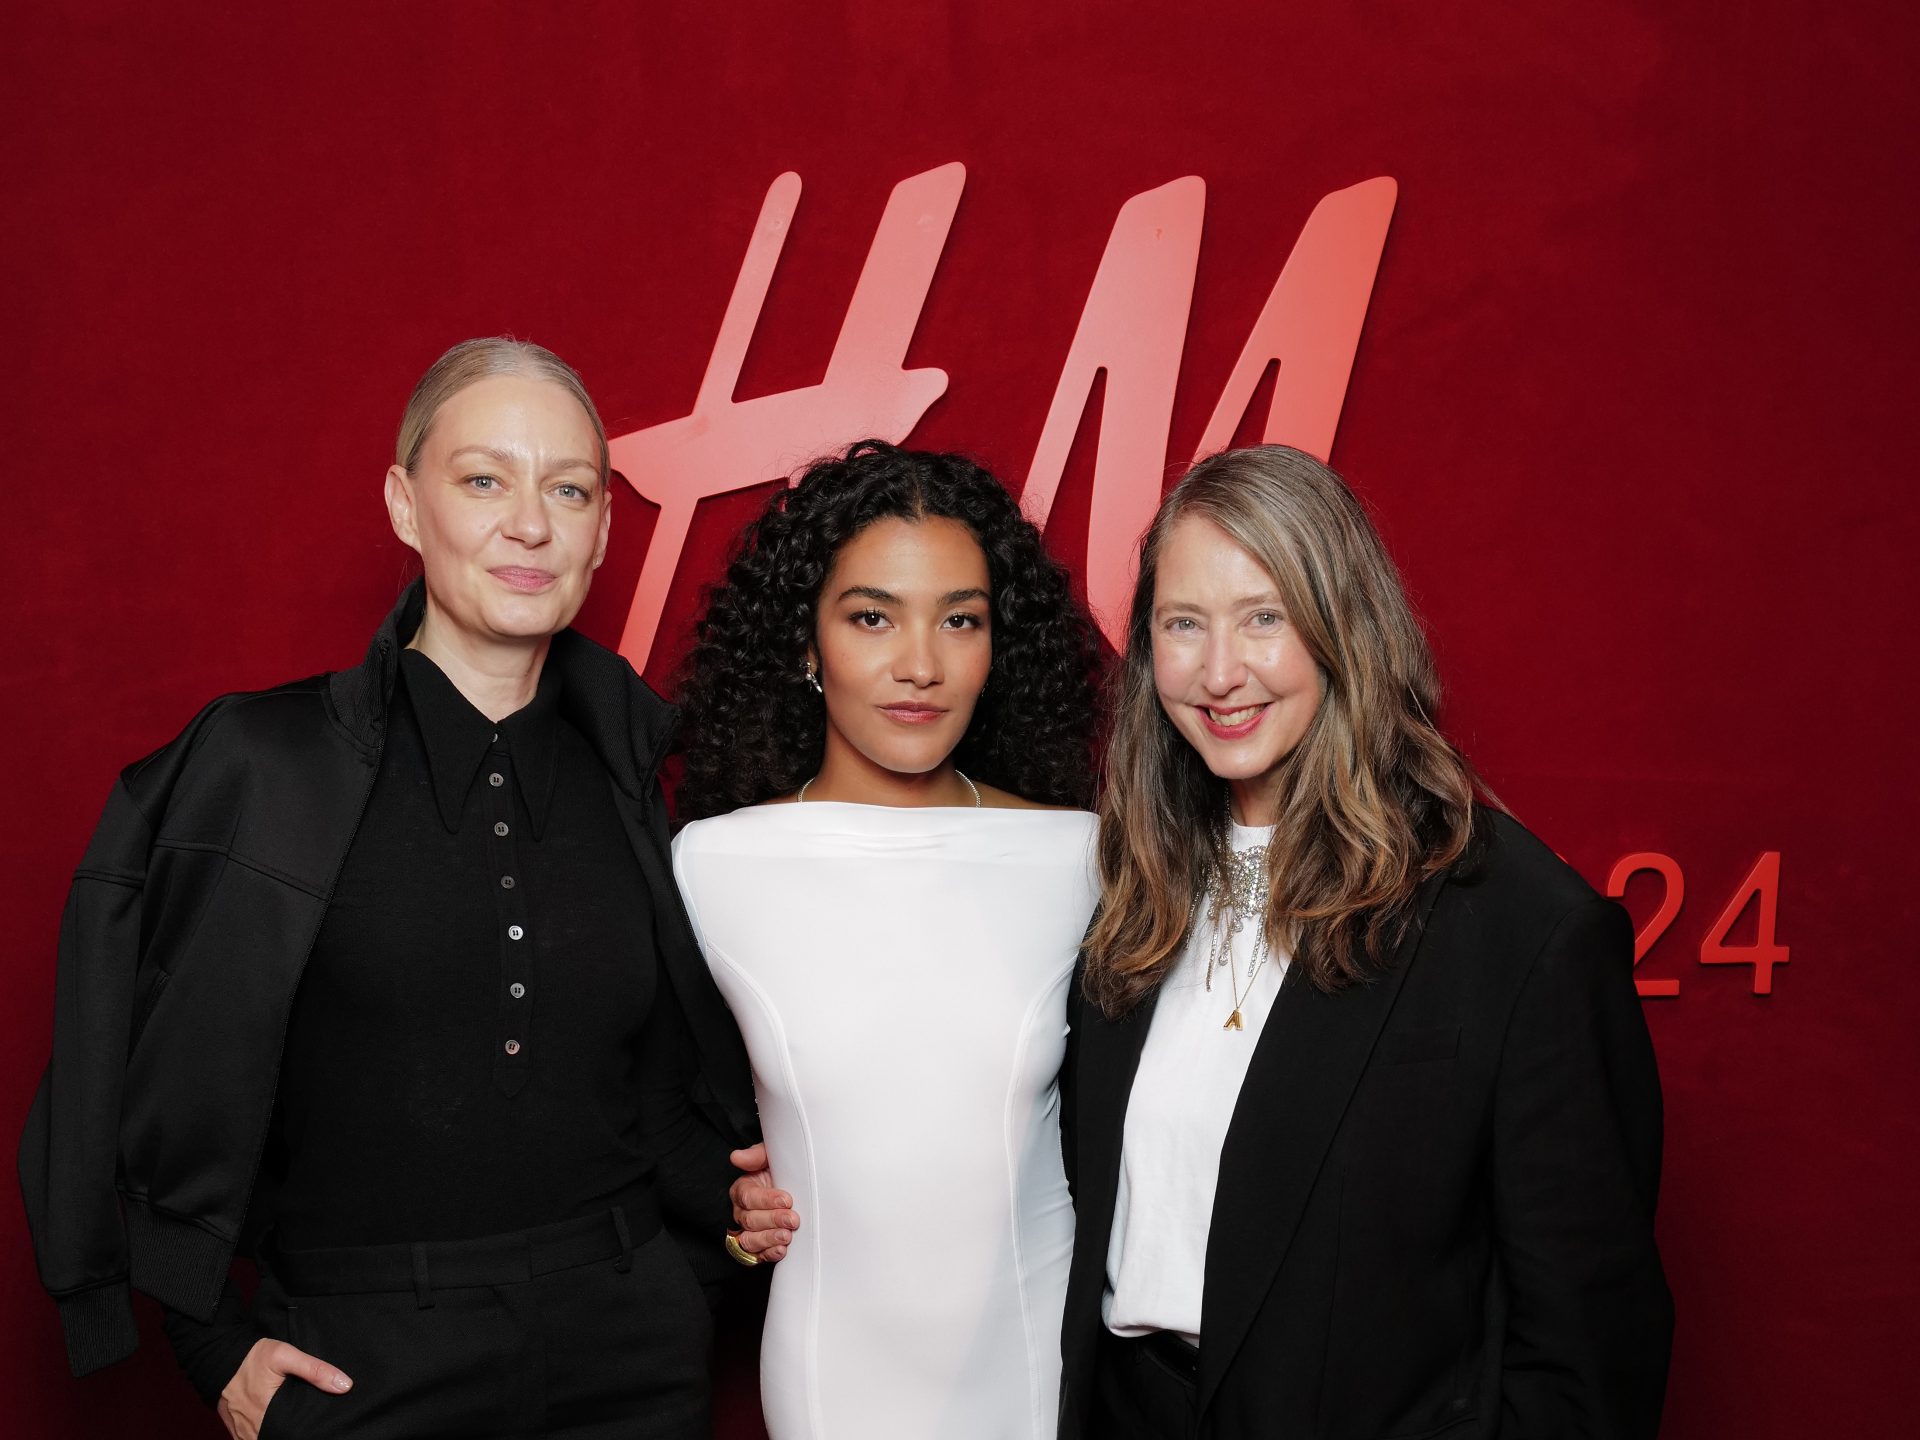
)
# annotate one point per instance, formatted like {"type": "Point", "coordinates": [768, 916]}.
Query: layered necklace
{"type": "Point", "coordinates": [1236, 896]}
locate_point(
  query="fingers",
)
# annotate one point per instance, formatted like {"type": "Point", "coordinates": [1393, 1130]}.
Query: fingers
{"type": "Point", "coordinates": [764, 1215]}
{"type": "Point", "coordinates": [766, 1219]}
{"type": "Point", "coordinates": [751, 1193]}
{"type": "Point", "coordinates": [761, 1207]}
{"type": "Point", "coordinates": [769, 1243]}
{"type": "Point", "coordinates": [283, 1359]}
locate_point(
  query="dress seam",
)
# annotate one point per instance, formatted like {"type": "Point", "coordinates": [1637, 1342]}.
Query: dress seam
{"type": "Point", "coordinates": [1035, 1409]}
{"type": "Point", "coordinates": [811, 1371]}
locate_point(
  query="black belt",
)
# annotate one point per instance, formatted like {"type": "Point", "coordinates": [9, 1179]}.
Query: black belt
{"type": "Point", "coordinates": [1170, 1350]}
{"type": "Point", "coordinates": [610, 1234]}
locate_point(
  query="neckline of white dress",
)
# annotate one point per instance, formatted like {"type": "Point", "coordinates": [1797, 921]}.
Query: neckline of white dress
{"type": "Point", "coordinates": [866, 808]}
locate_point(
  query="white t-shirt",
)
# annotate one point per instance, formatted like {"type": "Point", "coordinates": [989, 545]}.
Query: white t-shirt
{"type": "Point", "coordinates": [1191, 1069]}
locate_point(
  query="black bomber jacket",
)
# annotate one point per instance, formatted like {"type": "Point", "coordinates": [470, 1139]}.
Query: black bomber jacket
{"type": "Point", "coordinates": [186, 929]}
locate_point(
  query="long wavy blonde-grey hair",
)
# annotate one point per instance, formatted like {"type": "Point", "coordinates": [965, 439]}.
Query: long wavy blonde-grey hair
{"type": "Point", "coordinates": [1372, 800]}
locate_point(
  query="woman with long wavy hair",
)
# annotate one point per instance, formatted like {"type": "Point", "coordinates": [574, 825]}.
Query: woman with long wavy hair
{"type": "Point", "coordinates": [1362, 1114]}
{"type": "Point", "coordinates": [888, 717]}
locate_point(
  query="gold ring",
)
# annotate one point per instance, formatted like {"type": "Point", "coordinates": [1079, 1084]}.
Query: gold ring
{"type": "Point", "coordinates": [740, 1252]}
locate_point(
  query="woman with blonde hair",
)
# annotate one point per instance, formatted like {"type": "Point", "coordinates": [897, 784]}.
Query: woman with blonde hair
{"type": "Point", "coordinates": [381, 978]}
{"type": "Point", "coordinates": [1362, 1114]}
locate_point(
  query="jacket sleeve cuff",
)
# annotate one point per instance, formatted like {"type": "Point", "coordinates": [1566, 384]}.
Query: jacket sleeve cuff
{"type": "Point", "coordinates": [99, 1325]}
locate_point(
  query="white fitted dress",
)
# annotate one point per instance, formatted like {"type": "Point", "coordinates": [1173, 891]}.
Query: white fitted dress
{"type": "Point", "coordinates": [900, 977]}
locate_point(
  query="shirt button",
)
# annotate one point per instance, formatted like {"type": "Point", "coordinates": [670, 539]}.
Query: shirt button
{"type": "Point", "coordinates": [514, 932]}
{"type": "Point", "coordinates": [496, 779]}
{"type": "Point", "coordinates": [499, 827]}
{"type": "Point", "coordinates": [506, 882]}
{"type": "Point", "coordinates": [517, 990]}
{"type": "Point", "coordinates": [513, 1047]}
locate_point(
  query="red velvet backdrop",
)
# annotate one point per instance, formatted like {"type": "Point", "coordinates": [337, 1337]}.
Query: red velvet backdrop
{"type": "Point", "coordinates": [1630, 405]}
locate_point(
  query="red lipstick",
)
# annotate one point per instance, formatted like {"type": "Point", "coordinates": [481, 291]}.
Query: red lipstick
{"type": "Point", "coordinates": [1232, 732]}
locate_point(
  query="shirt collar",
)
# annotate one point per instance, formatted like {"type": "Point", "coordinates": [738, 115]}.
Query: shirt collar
{"type": "Point", "coordinates": [457, 738]}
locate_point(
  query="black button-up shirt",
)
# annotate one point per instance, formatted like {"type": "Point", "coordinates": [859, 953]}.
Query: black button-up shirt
{"type": "Point", "coordinates": [476, 1023]}
{"type": "Point", "coordinates": [463, 1053]}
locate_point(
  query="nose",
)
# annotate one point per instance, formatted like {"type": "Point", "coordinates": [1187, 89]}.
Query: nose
{"type": "Point", "coordinates": [526, 518]}
{"type": "Point", "coordinates": [1224, 670]}
{"type": "Point", "coordinates": [917, 660]}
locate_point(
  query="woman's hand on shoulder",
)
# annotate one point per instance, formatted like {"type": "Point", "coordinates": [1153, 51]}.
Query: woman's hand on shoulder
{"type": "Point", "coordinates": [269, 1365]}
{"type": "Point", "coordinates": [764, 1215]}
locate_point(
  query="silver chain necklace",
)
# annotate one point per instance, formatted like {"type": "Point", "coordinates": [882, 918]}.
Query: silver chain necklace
{"type": "Point", "coordinates": [1235, 895]}
{"type": "Point", "coordinates": [801, 798]}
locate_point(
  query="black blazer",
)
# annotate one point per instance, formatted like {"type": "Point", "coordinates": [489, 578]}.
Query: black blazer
{"type": "Point", "coordinates": [188, 924]}
{"type": "Point", "coordinates": [1435, 1204]}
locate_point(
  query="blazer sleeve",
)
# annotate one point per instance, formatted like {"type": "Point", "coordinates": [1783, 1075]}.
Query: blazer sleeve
{"type": "Point", "coordinates": [691, 1171]}
{"type": "Point", "coordinates": [1576, 1169]}
{"type": "Point", "coordinates": [69, 1151]}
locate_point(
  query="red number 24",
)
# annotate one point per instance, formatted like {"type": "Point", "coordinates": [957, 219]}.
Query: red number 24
{"type": "Point", "coordinates": [1762, 884]}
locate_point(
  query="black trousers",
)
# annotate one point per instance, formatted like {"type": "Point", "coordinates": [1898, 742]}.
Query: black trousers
{"type": "Point", "coordinates": [510, 1336]}
{"type": "Point", "coordinates": [1144, 1389]}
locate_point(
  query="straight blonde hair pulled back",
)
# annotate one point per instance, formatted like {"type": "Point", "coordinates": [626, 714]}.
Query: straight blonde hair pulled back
{"type": "Point", "coordinates": [474, 360]}
{"type": "Point", "coordinates": [1373, 799]}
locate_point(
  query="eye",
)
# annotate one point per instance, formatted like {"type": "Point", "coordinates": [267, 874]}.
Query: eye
{"type": "Point", "coordinates": [1182, 625]}
{"type": "Point", "coordinates": [962, 620]}
{"type": "Point", "coordinates": [868, 619]}
{"type": "Point", "coordinates": [570, 491]}
{"type": "Point", "coordinates": [1266, 618]}
{"type": "Point", "coordinates": [483, 482]}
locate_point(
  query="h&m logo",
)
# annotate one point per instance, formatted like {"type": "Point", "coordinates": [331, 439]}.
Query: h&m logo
{"type": "Point", "coordinates": [1133, 327]}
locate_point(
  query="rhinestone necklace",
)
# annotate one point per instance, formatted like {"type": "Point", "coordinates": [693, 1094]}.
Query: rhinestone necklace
{"type": "Point", "coordinates": [1235, 894]}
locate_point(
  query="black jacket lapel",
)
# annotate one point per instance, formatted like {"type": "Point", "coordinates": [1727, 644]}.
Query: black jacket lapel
{"type": "Point", "coordinates": [358, 697]}
{"type": "Point", "coordinates": [1310, 1057]}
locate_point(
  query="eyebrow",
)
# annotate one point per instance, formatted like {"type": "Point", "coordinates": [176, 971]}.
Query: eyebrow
{"type": "Point", "coordinates": [887, 597]}
{"type": "Point", "coordinates": [869, 592]}
{"type": "Point", "coordinates": [505, 457]}
{"type": "Point", "coordinates": [1267, 600]}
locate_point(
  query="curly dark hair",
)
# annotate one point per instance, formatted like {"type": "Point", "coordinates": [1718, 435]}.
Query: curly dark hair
{"type": "Point", "coordinates": [751, 727]}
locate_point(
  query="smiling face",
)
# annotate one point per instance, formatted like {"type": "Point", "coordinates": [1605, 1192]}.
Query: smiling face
{"type": "Point", "coordinates": [507, 508]}
{"type": "Point", "coordinates": [1232, 674]}
{"type": "Point", "coordinates": [903, 644]}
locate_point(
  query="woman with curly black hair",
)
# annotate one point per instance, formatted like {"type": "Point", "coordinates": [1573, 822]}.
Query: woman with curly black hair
{"type": "Point", "coordinates": [888, 718]}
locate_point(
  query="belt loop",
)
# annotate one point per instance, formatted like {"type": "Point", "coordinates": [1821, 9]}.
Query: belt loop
{"type": "Point", "coordinates": [422, 1291]}
{"type": "Point", "coordinates": [625, 1262]}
